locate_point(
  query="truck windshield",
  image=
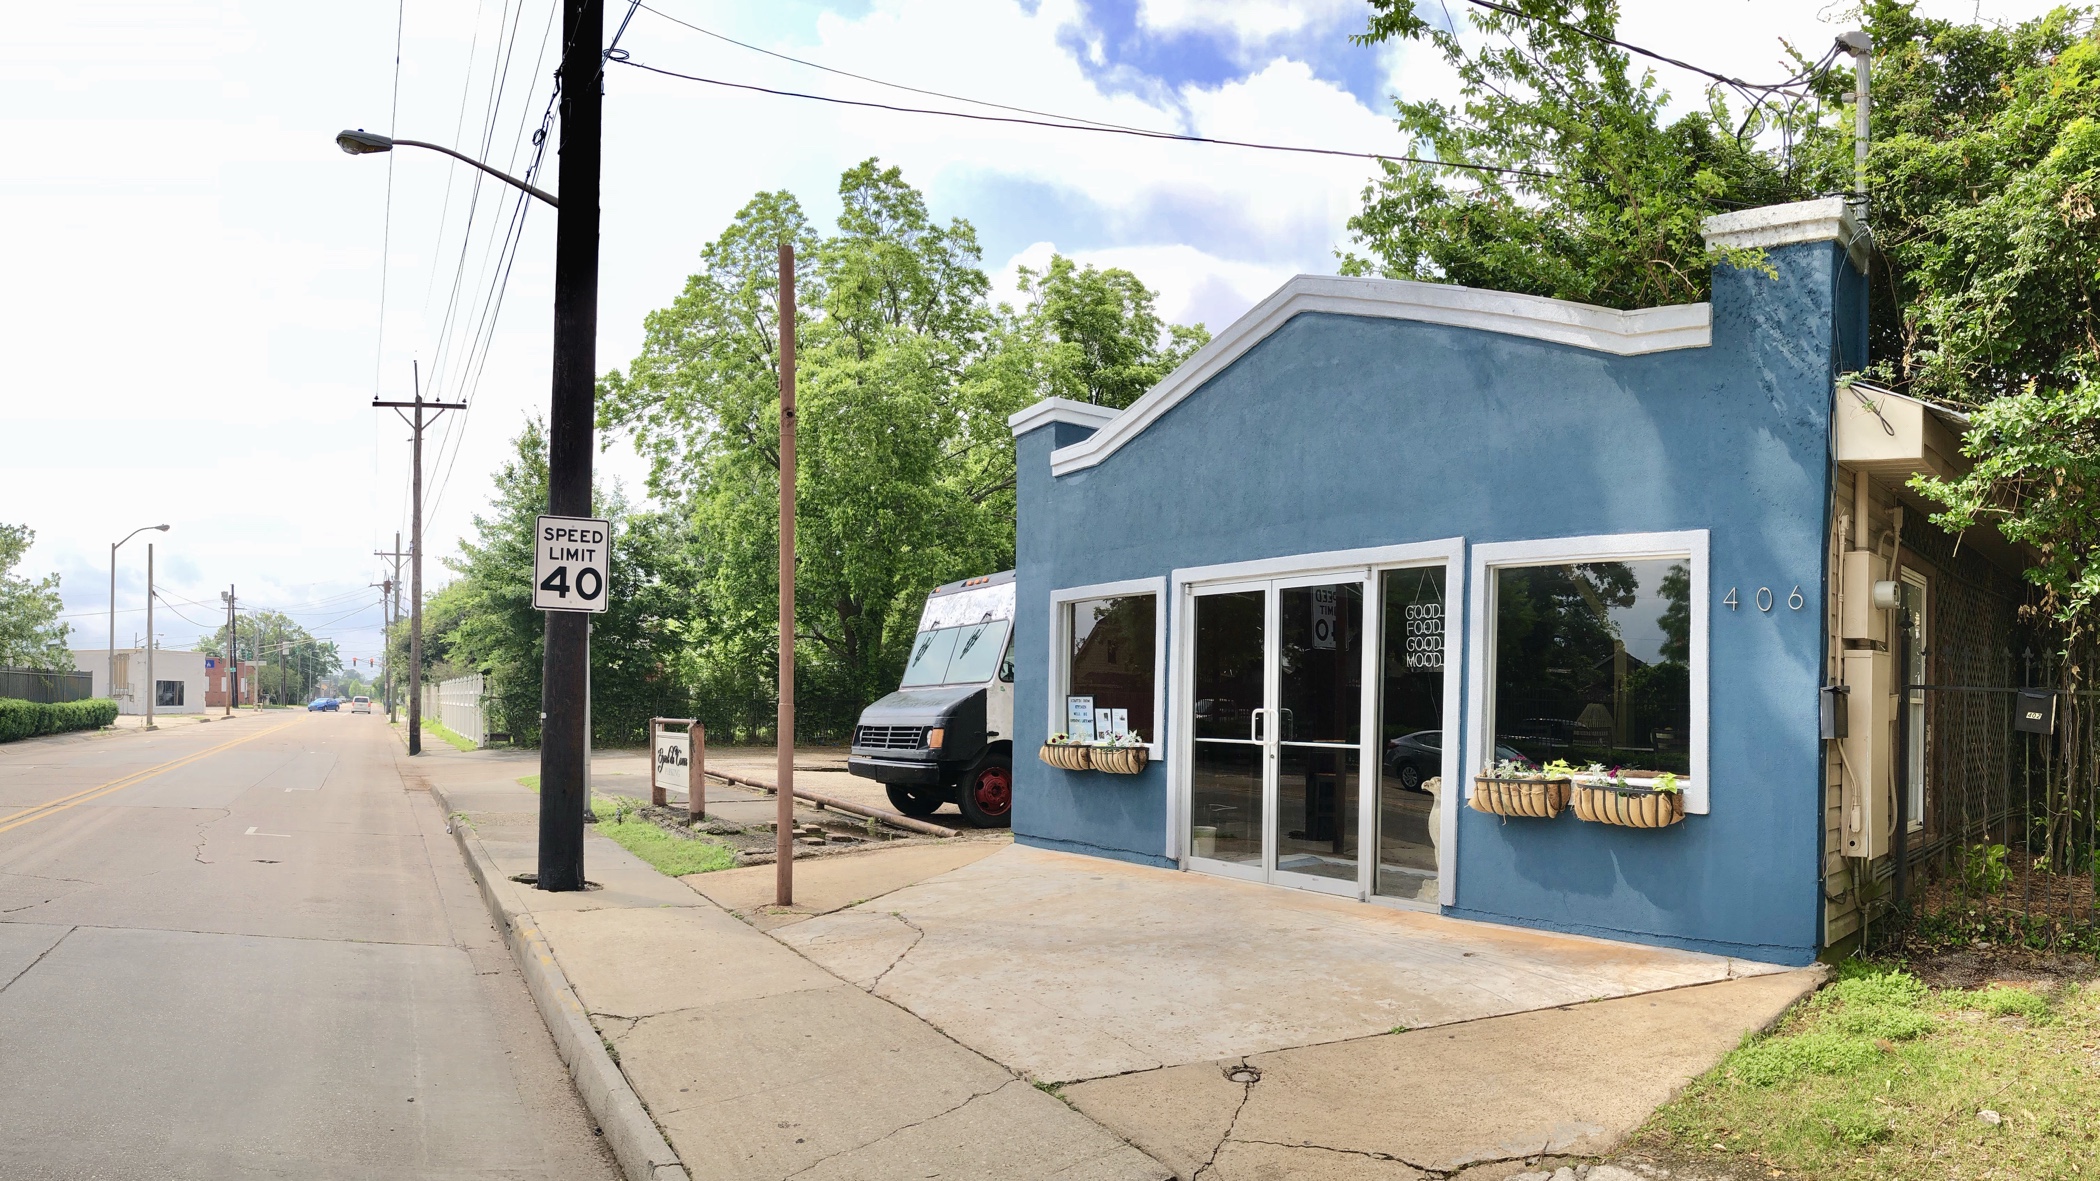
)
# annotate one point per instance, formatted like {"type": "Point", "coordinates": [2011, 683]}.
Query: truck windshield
{"type": "Point", "coordinates": [966, 655]}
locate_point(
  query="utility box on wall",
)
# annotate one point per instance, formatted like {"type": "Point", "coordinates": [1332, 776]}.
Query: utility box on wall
{"type": "Point", "coordinates": [1869, 798]}
{"type": "Point", "coordinates": [1862, 620]}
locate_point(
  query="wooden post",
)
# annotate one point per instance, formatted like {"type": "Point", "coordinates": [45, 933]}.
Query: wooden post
{"type": "Point", "coordinates": [696, 782]}
{"type": "Point", "coordinates": [784, 722]}
{"type": "Point", "coordinates": [657, 798]}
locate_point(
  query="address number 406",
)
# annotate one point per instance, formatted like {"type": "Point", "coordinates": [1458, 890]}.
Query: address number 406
{"type": "Point", "coordinates": [1765, 600]}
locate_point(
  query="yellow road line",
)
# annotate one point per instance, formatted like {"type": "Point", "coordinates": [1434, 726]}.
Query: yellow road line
{"type": "Point", "coordinates": [52, 807]}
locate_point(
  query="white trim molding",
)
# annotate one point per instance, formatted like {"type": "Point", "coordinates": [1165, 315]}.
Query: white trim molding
{"type": "Point", "coordinates": [1050, 410]}
{"type": "Point", "coordinates": [1826, 219]}
{"type": "Point", "coordinates": [1690, 544]}
{"type": "Point", "coordinates": [1560, 321]}
{"type": "Point", "coordinates": [1061, 650]}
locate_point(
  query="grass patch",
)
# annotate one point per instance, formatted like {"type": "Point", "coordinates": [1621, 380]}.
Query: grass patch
{"type": "Point", "coordinates": [1878, 1076]}
{"type": "Point", "coordinates": [669, 854]}
{"type": "Point", "coordinates": [531, 781]}
{"type": "Point", "coordinates": [455, 740]}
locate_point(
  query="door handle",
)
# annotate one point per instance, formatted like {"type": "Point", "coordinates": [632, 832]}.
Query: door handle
{"type": "Point", "coordinates": [1254, 723]}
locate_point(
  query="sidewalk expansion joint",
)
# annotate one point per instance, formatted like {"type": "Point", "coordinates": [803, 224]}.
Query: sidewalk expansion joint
{"type": "Point", "coordinates": [39, 959]}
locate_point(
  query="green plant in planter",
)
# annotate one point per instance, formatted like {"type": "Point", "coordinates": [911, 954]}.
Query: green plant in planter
{"type": "Point", "coordinates": [1518, 769]}
{"type": "Point", "coordinates": [1120, 741]}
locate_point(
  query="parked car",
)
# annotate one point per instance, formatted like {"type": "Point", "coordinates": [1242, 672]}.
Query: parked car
{"type": "Point", "coordinates": [1411, 758]}
{"type": "Point", "coordinates": [329, 704]}
{"type": "Point", "coordinates": [360, 705]}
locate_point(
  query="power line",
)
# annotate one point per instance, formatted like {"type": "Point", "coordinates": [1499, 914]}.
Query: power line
{"type": "Point", "coordinates": [880, 82]}
{"type": "Point", "coordinates": [1629, 47]}
{"type": "Point", "coordinates": [1055, 125]}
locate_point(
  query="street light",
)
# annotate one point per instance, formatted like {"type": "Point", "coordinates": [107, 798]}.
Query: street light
{"type": "Point", "coordinates": [364, 143]}
{"type": "Point", "coordinates": [565, 669]}
{"type": "Point", "coordinates": [112, 683]}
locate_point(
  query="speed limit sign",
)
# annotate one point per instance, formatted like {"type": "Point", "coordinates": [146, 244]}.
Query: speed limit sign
{"type": "Point", "coordinates": [571, 564]}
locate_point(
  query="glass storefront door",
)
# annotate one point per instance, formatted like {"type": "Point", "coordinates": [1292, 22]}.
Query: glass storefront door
{"type": "Point", "coordinates": [1277, 759]}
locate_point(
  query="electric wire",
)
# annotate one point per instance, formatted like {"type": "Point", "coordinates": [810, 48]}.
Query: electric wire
{"type": "Point", "coordinates": [1053, 124]}
{"type": "Point", "coordinates": [878, 81]}
{"type": "Point", "coordinates": [1797, 80]}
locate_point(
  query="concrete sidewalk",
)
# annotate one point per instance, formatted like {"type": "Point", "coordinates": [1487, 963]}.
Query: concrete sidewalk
{"type": "Point", "coordinates": [756, 1063]}
{"type": "Point", "coordinates": [891, 1025]}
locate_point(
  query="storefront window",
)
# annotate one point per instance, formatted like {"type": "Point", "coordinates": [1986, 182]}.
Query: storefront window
{"type": "Point", "coordinates": [1411, 731]}
{"type": "Point", "coordinates": [1110, 658]}
{"type": "Point", "coordinates": [1592, 663]}
{"type": "Point", "coordinates": [167, 693]}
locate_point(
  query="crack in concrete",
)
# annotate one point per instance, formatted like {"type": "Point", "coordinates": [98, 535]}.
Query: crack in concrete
{"type": "Point", "coordinates": [906, 1128]}
{"type": "Point", "coordinates": [1210, 1163]}
{"type": "Point", "coordinates": [918, 936]}
{"type": "Point", "coordinates": [38, 960]}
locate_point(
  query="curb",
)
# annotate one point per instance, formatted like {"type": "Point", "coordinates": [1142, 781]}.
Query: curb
{"type": "Point", "coordinates": [636, 1142]}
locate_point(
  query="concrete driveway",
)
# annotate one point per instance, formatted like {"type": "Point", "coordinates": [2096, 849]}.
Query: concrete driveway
{"type": "Point", "coordinates": [1240, 1031]}
{"type": "Point", "coordinates": [1067, 967]}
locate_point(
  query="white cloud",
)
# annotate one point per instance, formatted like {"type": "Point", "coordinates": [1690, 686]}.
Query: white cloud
{"type": "Point", "coordinates": [1250, 20]}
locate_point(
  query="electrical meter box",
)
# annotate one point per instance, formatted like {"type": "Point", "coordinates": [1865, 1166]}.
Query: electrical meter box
{"type": "Point", "coordinates": [1861, 619]}
{"type": "Point", "coordinates": [1869, 798]}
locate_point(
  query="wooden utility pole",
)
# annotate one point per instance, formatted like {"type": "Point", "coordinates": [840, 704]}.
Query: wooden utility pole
{"type": "Point", "coordinates": [565, 671]}
{"type": "Point", "coordinates": [784, 723]}
{"type": "Point", "coordinates": [415, 551]}
{"type": "Point", "coordinates": [390, 588]}
{"type": "Point", "coordinates": [231, 663]}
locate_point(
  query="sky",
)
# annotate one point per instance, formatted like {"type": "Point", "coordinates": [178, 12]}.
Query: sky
{"type": "Point", "coordinates": [201, 295]}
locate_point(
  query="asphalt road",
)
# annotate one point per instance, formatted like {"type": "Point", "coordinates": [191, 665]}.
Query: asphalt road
{"type": "Point", "coordinates": [249, 949]}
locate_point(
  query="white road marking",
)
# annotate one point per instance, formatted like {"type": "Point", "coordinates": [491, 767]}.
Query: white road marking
{"type": "Point", "coordinates": [252, 833]}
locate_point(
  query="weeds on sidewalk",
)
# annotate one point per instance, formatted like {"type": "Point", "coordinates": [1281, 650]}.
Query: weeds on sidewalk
{"type": "Point", "coordinates": [1880, 1076]}
{"type": "Point", "coordinates": [669, 854]}
{"type": "Point", "coordinates": [450, 737]}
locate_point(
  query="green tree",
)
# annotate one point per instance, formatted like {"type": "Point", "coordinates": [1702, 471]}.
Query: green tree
{"type": "Point", "coordinates": [1603, 194]}
{"type": "Point", "coordinates": [31, 634]}
{"type": "Point", "coordinates": [484, 621]}
{"type": "Point", "coordinates": [905, 476]}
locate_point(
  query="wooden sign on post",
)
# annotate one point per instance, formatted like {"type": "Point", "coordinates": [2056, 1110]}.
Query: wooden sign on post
{"type": "Point", "coordinates": [678, 758]}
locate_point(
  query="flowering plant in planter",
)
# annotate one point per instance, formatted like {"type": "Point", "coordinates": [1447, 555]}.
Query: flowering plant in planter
{"type": "Point", "coordinates": [1613, 797]}
{"type": "Point", "coordinates": [1120, 754]}
{"type": "Point", "coordinates": [1060, 751]}
{"type": "Point", "coordinates": [1513, 787]}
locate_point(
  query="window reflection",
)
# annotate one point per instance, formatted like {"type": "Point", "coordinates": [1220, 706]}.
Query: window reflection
{"type": "Point", "coordinates": [1593, 663]}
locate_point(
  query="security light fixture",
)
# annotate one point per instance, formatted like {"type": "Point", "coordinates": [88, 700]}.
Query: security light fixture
{"type": "Point", "coordinates": [364, 143]}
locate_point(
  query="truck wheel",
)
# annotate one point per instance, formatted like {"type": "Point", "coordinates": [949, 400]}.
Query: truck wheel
{"type": "Point", "coordinates": [986, 793]}
{"type": "Point", "coordinates": [916, 802]}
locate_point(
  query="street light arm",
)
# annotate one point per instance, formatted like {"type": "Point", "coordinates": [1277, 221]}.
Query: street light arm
{"type": "Point", "coordinates": [135, 533]}
{"type": "Point", "coordinates": [362, 142]}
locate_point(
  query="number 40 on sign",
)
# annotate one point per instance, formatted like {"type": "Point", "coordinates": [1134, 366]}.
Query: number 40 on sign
{"type": "Point", "coordinates": [572, 561]}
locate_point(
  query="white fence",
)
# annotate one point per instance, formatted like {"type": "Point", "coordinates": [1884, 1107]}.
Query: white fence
{"type": "Point", "coordinates": [459, 707]}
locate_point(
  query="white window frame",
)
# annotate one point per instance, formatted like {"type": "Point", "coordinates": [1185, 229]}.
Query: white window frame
{"type": "Point", "coordinates": [1921, 726]}
{"type": "Point", "coordinates": [1060, 664]}
{"type": "Point", "coordinates": [1690, 545]}
{"type": "Point", "coordinates": [1448, 552]}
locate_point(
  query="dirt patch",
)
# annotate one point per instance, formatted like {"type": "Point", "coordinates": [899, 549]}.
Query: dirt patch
{"type": "Point", "coordinates": [1990, 963]}
{"type": "Point", "coordinates": [833, 834]}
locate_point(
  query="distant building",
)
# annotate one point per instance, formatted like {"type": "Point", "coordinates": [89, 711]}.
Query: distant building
{"type": "Point", "coordinates": [183, 682]}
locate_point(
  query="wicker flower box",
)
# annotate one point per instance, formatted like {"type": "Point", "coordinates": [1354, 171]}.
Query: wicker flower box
{"type": "Point", "coordinates": [1119, 760]}
{"type": "Point", "coordinates": [1628, 807]}
{"type": "Point", "coordinates": [1068, 756]}
{"type": "Point", "coordinates": [1540, 798]}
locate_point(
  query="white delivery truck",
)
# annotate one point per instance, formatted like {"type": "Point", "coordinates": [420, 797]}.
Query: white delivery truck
{"type": "Point", "coordinates": [947, 732]}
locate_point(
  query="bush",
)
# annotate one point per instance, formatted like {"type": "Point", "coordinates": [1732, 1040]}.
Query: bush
{"type": "Point", "coordinates": [27, 719]}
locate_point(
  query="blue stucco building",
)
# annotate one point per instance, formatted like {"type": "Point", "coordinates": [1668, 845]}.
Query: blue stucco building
{"type": "Point", "coordinates": [1378, 535]}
